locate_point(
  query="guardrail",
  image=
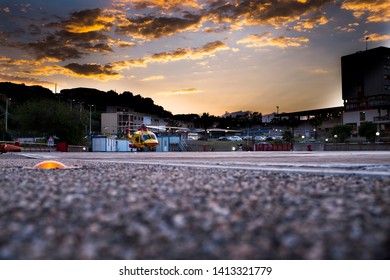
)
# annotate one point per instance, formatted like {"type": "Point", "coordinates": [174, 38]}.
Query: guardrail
{"type": "Point", "coordinates": [273, 147]}
{"type": "Point", "coordinates": [379, 146]}
{"type": "Point", "coordinates": [43, 147]}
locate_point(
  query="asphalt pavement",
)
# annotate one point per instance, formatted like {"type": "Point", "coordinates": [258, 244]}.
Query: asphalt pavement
{"type": "Point", "coordinates": [207, 205]}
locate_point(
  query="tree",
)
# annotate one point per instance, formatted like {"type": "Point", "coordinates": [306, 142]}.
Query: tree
{"type": "Point", "coordinates": [288, 136]}
{"type": "Point", "coordinates": [341, 132]}
{"type": "Point", "coordinates": [368, 130]}
{"type": "Point", "coordinates": [47, 118]}
{"type": "Point", "coordinates": [206, 121]}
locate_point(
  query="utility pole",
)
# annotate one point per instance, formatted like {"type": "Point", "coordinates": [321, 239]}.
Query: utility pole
{"type": "Point", "coordinates": [90, 120]}
{"type": "Point", "coordinates": [6, 113]}
{"type": "Point", "coordinates": [367, 38]}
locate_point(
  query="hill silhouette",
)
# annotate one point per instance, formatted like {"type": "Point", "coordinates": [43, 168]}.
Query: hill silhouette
{"type": "Point", "coordinates": [21, 93]}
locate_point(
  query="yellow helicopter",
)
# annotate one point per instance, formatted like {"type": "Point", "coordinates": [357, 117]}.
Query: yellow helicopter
{"type": "Point", "coordinates": [143, 138]}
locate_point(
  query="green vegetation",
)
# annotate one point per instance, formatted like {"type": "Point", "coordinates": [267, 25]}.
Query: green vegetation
{"type": "Point", "coordinates": [368, 130]}
{"type": "Point", "coordinates": [341, 133]}
{"type": "Point", "coordinates": [49, 118]}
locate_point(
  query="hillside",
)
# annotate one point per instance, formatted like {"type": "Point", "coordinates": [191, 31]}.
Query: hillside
{"type": "Point", "coordinates": [21, 93]}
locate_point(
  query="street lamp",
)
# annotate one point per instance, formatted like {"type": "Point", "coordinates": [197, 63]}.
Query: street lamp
{"type": "Point", "coordinates": [90, 119]}
{"type": "Point", "coordinates": [6, 113]}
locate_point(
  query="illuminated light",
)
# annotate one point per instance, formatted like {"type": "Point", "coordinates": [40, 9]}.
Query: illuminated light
{"type": "Point", "coordinates": [50, 164]}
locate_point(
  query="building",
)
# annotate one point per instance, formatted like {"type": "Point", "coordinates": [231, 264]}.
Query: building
{"type": "Point", "coordinates": [313, 123]}
{"type": "Point", "coordinates": [366, 89]}
{"type": "Point", "coordinates": [116, 120]}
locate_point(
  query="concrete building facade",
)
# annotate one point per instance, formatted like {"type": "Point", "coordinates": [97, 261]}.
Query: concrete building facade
{"type": "Point", "coordinates": [366, 89]}
{"type": "Point", "coordinates": [116, 120]}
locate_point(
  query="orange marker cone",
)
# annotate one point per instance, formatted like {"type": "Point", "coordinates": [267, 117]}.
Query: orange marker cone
{"type": "Point", "coordinates": [50, 164]}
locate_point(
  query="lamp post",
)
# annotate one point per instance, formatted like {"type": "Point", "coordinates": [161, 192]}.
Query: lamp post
{"type": "Point", "coordinates": [6, 113]}
{"type": "Point", "coordinates": [377, 134]}
{"type": "Point", "coordinates": [367, 38]}
{"type": "Point", "coordinates": [90, 120]}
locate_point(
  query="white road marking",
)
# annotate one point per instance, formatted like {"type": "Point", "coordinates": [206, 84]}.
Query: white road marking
{"type": "Point", "coordinates": [326, 169]}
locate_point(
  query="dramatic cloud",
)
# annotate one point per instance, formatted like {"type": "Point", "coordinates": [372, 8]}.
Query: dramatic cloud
{"type": "Point", "coordinates": [87, 21]}
{"type": "Point", "coordinates": [52, 47]}
{"type": "Point", "coordinates": [374, 10]}
{"type": "Point", "coordinates": [190, 53]}
{"type": "Point", "coordinates": [88, 42]}
{"type": "Point", "coordinates": [206, 50]}
{"type": "Point", "coordinates": [95, 71]}
{"type": "Point", "coordinates": [375, 37]}
{"type": "Point", "coordinates": [165, 4]}
{"type": "Point", "coordinates": [150, 27]}
{"type": "Point", "coordinates": [311, 23]}
{"type": "Point", "coordinates": [264, 40]}
{"type": "Point", "coordinates": [276, 13]}
{"type": "Point", "coordinates": [127, 64]}
{"type": "Point", "coordinates": [25, 80]}
{"type": "Point", "coordinates": [83, 33]}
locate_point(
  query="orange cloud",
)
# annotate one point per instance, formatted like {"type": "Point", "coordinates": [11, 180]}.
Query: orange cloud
{"type": "Point", "coordinates": [208, 49]}
{"type": "Point", "coordinates": [376, 10]}
{"type": "Point", "coordinates": [311, 23]}
{"type": "Point", "coordinates": [94, 71]}
{"type": "Point", "coordinates": [120, 43]}
{"type": "Point", "coordinates": [376, 37]}
{"type": "Point", "coordinates": [264, 40]}
{"type": "Point", "coordinates": [88, 20]}
{"type": "Point", "coordinates": [276, 13]}
{"type": "Point", "coordinates": [49, 70]}
{"type": "Point", "coordinates": [165, 4]}
{"type": "Point", "coordinates": [153, 78]}
{"type": "Point", "coordinates": [127, 64]}
{"type": "Point", "coordinates": [190, 53]}
{"type": "Point", "coordinates": [180, 91]}
{"type": "Point", "coordinates": [349, 28]}
{"type": "Point", "coordinates": [25, 80]}
{"type": "Point", "coordinates": [151, 27]}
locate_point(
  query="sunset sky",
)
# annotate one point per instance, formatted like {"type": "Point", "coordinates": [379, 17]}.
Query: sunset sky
{"type": "Point", "coordinates": [192, 56]}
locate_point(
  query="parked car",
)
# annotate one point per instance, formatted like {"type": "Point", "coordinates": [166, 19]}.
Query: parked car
{"type": "Point", "coordinates": [260, 138]}
{"type": "Point", "coordinates": [222, 138]}
{"type": "Point", "coordinates": [309, 141]}
{"type": "Point", "coordinates": [234, 138]}
{"type": "Point", "coordinates": [247, 138]}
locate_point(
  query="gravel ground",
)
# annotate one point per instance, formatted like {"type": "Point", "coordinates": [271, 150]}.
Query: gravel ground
{"type": "Point", "coordinates": [133, 211]}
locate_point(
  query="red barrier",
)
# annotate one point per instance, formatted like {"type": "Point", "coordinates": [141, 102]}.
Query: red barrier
{"type": "Point", "coordinates": [4, 148]}
{"type": "Point", "coordinates": [273, 147]}
{"type": "Point", "coordinates": [62, 147]}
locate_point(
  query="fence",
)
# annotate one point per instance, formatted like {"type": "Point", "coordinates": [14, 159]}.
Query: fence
{"type": "Point", "coordinates": [357, 147]}
{"type": "Point", "coordinates": [43, 147]}
{"type": "Point", "coordinates": [273, 147]}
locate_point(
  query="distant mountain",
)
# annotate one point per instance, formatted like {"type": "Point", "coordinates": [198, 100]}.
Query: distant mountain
{"type": "Point", "coordinates": [21, 93]}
